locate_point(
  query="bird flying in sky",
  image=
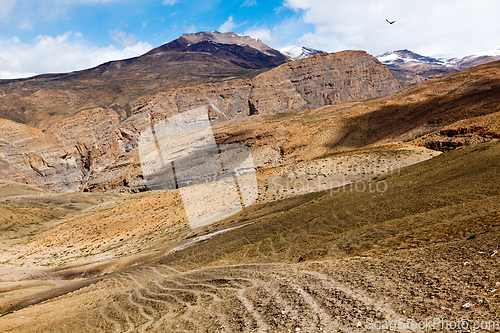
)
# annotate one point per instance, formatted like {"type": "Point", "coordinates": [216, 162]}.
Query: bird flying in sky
{"type": "Point", "coordinates": [390, 21]}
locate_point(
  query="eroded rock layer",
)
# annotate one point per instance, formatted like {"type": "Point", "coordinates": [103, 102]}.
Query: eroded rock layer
{"type": "Point", "coordinates": [94, 151]}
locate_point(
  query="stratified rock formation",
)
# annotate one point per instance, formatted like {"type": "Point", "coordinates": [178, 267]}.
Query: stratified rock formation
{"type": "Point", "coordinates": [321, 80]}
{"type": "Point", "coordinates": [94, 151]}
{"type": "Point", "coordinates": [57, 158]}
{"type": "Point", "coordinates": [317, 81]}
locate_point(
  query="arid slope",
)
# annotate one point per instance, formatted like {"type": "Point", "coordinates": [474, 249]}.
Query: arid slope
{"type": "Point", "coordinates": [421, 241]}
{"type": "Point", "coordinates": [96, 150]}
{"type": "Point", "coordinates": [427, 246]}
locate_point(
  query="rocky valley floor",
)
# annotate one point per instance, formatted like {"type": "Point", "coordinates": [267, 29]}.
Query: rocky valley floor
{"type": "Point", "coordinates": [425, 247]}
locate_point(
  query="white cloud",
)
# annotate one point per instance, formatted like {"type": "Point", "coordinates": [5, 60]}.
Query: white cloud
{"type": "Point", "coordinates": [426, 26]}
{"type": "Point", "coordinates": [170, 2]}
{"type": "Point", "coordinates": [25, 25]}
{"type": "Point", "coordinates": [122, 38]}
{"type": "Point", "coordinates": [23, 60]}
{"type": "Point", "coordinates": [249, 3]}
{"type": "Point", "coordinates": [189, 29]}
{"type": "Point", "coordinates": [5, 8]}
{"type": "Point", "coordinates": [261, 33]}
{"type": "Point", "coordinates": [227, 26]}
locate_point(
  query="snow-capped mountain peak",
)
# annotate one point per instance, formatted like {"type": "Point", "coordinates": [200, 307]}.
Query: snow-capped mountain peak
{"type": "Point", "coordinates": [410, 67]}
{"type": "Point", "coordinates": [407, 56]}
{"type": "Point", "coordinates": [297, 53]}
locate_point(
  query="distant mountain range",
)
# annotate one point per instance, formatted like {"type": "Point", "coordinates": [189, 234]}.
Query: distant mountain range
{"type": "Point", "coordinates": [410, 68]}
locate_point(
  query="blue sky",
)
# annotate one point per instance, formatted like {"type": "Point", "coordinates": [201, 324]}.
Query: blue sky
{"type": "Point", "coordinates": [39, 36]}
{"type": "Point", "coordinates": [151, 21]}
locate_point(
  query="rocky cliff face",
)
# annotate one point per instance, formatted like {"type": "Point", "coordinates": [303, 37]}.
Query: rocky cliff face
{"type": "Point", "coordinates": [320, 80]}
{"type": "Point", "coordinates": [57, 158]}
{"type": "Point", "coordinates": [94, 151]}
{"type": "Point", "coordinates": [310, 83]}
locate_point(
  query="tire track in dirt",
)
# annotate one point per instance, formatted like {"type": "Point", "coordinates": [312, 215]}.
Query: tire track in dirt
{"type": "Point", "coordinates": [235, 298]}
{"type": "Point", "coordinates": [127, 319]}
{"type": "Point", "coordinates": [93, 328]}
{"type": "Point", "coordinates": [131, 311]}
{"type": "Point", "coordinates": [142, 312]}
{"type": "Point", "coordinates": [325, 319]}
{"type": "Point", "coordinates": [107, 318]}
{"type": "Point", "coordinates": [357, 294]}
{"type": "Point", "coordinates": [113, 307]}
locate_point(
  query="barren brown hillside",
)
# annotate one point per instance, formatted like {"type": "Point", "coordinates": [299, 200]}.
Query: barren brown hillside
{"type": "Point", "coordinates": [45, 99]}
{"type": "Point", "coordinates": [425, 247]}
{"type": "Point", "coordinates": [96, 150]}
{"type": "Point", "coordinates": [458, 109]}
{"type": "Point", "coordinates": [368, 211]}
{"type": "Point", "coordinates": [455, 110]}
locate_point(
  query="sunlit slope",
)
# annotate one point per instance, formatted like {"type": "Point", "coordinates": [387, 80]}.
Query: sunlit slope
{"type": "Point", "coordinates": [434, 201]}
{"type": "Point", "coordinates": [424, 247]}
{"type": "Point", "coordinates": [452, 111]}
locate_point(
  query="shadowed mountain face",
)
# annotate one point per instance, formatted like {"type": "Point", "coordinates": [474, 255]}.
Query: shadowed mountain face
{"type": "Point", "coordinates": [242, 51]}
{"type": "Point", "coordinates": [189, 60]}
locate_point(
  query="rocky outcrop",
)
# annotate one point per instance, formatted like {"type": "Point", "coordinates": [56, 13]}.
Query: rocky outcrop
{"type": "Point", "coordinates": [317, 81]}
{"type": "Point", "coordinates": [462, 133]}
{"type": "Point", "coordinates": [313, 82]}
{"type": "Point", "coordinates": [320, 80]}
{"type": "Point", "coordinates": [58, 158]}
{"type": "Point", "coordinates": [225, 100]}
{"type": "Point", "coordinates": [32, 156]}
{"type": "Point", "coordinates": [95, 151]}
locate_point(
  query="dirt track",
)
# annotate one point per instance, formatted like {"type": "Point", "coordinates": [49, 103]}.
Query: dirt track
{"type": "Point", "coordinates": [425, 248]}
{"type": "Point", "coordinates": [318, 296]}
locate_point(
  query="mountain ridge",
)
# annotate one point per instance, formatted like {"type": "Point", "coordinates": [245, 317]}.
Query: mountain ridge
{"type": "Point", "coordinates": [45, 99]}
{"type": "Point", "coordinates": [411, 68]}
{"type": "Point", "coordinates": [242, 51]}
{"type": "Point", "coordinates": [191, 59]}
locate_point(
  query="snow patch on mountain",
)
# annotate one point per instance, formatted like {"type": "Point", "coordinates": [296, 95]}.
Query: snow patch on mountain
{"type": "Point", "coordinates": [493, 53]}
{"type": "Point", "coordinates": [407, 57]}
{"type": "Point", "coordinates": [297, 53]}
